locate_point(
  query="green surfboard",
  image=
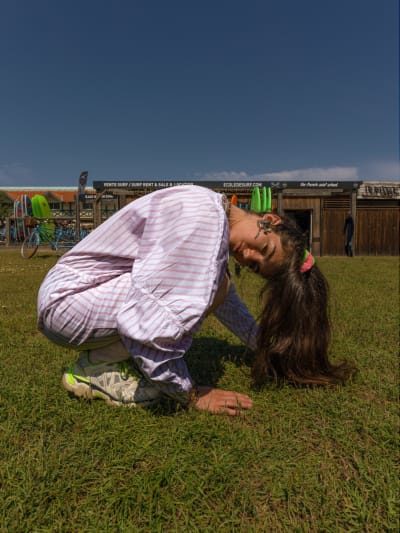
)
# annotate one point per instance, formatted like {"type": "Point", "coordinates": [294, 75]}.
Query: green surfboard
{"type": "Point", "coordinates": [255, 203]}
{"type": "Point", "coordinates": [266, 200]}
{"type": "Point", "coordinates": [41, 209]}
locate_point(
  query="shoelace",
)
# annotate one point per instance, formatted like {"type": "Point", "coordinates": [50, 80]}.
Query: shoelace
{"type": "Point", "coordinates": [127, 371]}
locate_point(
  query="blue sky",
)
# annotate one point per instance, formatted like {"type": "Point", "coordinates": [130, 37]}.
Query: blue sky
{"type": "Point", "coordinates": [155, 89]}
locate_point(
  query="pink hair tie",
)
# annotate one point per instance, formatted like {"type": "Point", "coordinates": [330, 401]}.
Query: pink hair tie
{"type": "Point", "coordinates": [307, 262]}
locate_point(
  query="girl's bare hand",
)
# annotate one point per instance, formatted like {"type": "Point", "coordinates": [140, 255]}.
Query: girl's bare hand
{"type": "Point", "coordinates": [222, 401]}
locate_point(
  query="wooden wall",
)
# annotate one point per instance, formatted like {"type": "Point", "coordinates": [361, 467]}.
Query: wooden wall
{"type": "Point", "coordinates": [377, 231]}
{"type": "Point", "coordinates": [332, 239]}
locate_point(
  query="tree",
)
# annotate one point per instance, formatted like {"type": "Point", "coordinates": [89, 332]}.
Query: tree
{"type": "Point", "coordinates": [6, 205]}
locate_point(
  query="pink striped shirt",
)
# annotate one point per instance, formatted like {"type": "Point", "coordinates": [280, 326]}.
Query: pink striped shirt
{"type": "Point", "coordinates": [148, 275]}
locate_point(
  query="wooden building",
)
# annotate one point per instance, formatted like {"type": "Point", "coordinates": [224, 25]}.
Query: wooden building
{"type": "Point", "coordinates": [319, 207]}
{"type": "Point", "coordinates": [377, 228]}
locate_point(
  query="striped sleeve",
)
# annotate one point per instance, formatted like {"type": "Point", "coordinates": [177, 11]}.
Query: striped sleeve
{"type": "Point", "coordinates": [165, 368]}
{"type": "Point", "coordinates": [234, 315]}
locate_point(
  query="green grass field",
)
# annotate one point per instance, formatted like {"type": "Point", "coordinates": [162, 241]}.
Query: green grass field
{"type": "Point", "coordinates": [320, 460]}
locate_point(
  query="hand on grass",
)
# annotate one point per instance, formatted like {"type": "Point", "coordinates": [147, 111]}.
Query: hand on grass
{"type": "Point", "coordinates": [222, 401]}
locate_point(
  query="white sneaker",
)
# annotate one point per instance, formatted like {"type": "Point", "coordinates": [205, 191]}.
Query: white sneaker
{"type": "Point", "coordinates": [116, 383]}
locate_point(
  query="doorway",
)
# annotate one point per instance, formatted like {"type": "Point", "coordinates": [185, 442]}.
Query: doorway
{"type": "Point", "coordinates": [303, 218]}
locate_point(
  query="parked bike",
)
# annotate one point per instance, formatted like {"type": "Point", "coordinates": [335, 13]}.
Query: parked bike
{"type": "Point", "coordinates": [46, 232]}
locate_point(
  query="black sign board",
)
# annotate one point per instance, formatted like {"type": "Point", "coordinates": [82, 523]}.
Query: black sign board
{"type": "Point", "coordinates": [228, 185]}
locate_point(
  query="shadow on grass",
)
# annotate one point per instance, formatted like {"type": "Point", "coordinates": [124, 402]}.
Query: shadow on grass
{"type": "Point", "coordinates": [206, 363]}
{"type": "Point", "coordinates": [207, 356]}
{"type": "Point", "coordinates": [41, 256]}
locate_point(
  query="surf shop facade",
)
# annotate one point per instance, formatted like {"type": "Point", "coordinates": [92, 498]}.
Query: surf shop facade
{"type": "Point", "coordinates": [319, 207]}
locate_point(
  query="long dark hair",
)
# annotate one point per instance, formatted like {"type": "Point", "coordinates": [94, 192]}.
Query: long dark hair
{"type": "Point", "coordinates": [295, 329]}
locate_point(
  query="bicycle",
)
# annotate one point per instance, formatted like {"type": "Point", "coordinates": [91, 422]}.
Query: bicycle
{"type": "Point", "coordinates": [57, 237]}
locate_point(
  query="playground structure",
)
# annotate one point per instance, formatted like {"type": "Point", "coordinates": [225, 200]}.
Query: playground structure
{"type": "Point", "coordinates": [34, 226]}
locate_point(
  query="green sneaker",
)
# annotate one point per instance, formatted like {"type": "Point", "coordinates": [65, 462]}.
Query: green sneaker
{"type": "Point", "coordinates": [116, 383]}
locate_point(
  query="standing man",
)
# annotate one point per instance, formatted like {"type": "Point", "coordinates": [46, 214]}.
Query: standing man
{"type": "Point", "coordinates": [348, 234]}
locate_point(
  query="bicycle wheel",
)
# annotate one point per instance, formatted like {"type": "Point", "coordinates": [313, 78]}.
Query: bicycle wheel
{"type": "Point", "coordinates": [30, 245]}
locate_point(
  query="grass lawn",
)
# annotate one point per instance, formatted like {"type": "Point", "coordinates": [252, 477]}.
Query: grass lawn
{"type": "Point", "coordinates": [301, 460]}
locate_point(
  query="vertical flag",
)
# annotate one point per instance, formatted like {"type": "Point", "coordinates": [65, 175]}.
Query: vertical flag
{"type": "Point", "coordinates": [82, 185]}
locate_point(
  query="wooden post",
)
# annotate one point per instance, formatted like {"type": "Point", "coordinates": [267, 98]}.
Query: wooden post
{"type": "Point", "coordinates": [279, 203]}
{"type": "Point", "coordinates": [353, 210]}
{"type": "Point", "coordinates": [80, 198]}
{"type": "Point", "coordinates": [77, 217]}
{"type": "Point", "coordinates": [97, 210]}
{"type": "Point", "coordinates": [8, 232]}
